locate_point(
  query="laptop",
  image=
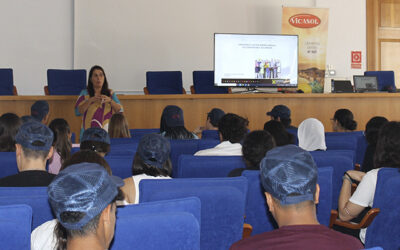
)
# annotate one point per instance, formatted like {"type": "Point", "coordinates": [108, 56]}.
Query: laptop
{"type": "Point", "coordinates": [341, 86]}
{"type": "Point", "coordinates": [365, 84]}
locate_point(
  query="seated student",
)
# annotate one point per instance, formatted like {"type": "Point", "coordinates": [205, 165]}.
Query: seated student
{"type": "Point", "coordinates": [232, 129]}
{"type": "Point", "coordinates": [343, 121]}
{"type": "Point", "coordinates": [311, 134]}
{"type": "Point", "coordinates": [97, 140]}
{"type": "Point", "coordinates": [9, 125]}
{"type": "Point", "coordinates": [281, 113]}
{"type": "Point", "coordinates": [33, 148]}
{"type": "Point", "coordinates": [213, 118]}
{"type": "Point", "coordinates": [62, 144]}
{"type": "Point", "coordinates": [255, 145]}
{"type": "Point", "coordinates": [151, 162]}
{"type": "Point", "coordinates": [172, 124]}
{"type": "Point", "coordinates": [40, 111]}
{"type": "Point", "coordinates": [289, 177]}
{"type": "Point", "coordinates": [278, 131]}
{"type": "Point", "coordinates": [83, 198]}
{"type": "Point", "coordinates": [371, 135]}
{"type": "Point", "coordinates": [118, 127]}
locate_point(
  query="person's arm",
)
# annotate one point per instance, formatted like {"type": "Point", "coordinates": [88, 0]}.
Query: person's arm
{"type": "Point", "coordinates": [84, 105]}
{"type": "Point", "coordinates": [114, 102]}
{"type": "Point", "coordinates": [129, 190]}
{"type": "Point", "coordinates": [347, 209]}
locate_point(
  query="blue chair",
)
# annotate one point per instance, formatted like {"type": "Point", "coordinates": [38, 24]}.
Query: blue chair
{"type": "Point", "coordinates": [115, 141]}
{"type": "Point", "coordinates": [163, 82]}
{"type": "Point", "coordinates": [7, 86]}
{"type": "Point", "coordinates": [138, 133]}
{"type": "Point", "coordinates": [361, 144]}
{"type": "Point", "coordinates": [179, 147]}
{"type": "Point", "coordinates": [120, 163]}
{"type": "Point", "coordinates": [15, 227]}
{"type": "Point", "coordinates": [132, 146]}
{"type": "Point", "coordinates": [385, 79]}
{"type": "Point", "coordinates": [207, 143]}
{"type": "Point", "coordinates": [8, 164]}
{"type": "Point", "coordinates": [190, 166]}
{"type": "Point", "coordinates": [222, 205]}
{"type": "Point", "coordinates": [203, 83]}
{"type": "Point", "coordinates": [257, 212]}
{"type": "Point", "coordinates": [170, 224]}
{"type": "Point", "coordinates": [341, 142]}
{"type": "Point", "coordinates": [210, 135]}
{"type": "Point", "coordinates": [65, 82]}
{"type": "Point", "coordinates": [35, 197]}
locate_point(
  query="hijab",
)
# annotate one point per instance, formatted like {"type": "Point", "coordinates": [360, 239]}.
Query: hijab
{"type": "Point", "coordinates": [311, 134]}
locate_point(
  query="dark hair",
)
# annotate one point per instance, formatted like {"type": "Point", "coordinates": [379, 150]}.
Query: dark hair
{"type": "Point", "coordinates": [285, 121]}
{"type": "Point", "coordinates": [9, 125]}
{"type": "Point", "coordinates": [61, 142]}
{"type": "Point", "coordinates": [278, 131]}
{"type": "Point", "coordinates": [176, 132]}
{"type": "Point", "coordinates": [86, 156]}
{"type": "Point", "coordinates": [104, 90]}
{"type": "Point", "coordinates": [372, 129]}
{"type": "Point", "coordinates": [345, 119]}
{"type": "Point", "coordinates": [233, 127]}
{"type": "Point", "coordinates": [387, 153]}
{"type": "Point", "coordinates": [96, 146]}
{"type": "Point", "coordinates": [255, 145]}
{"type": "Point", "coordinates": [118, 126]}
{"type": "Point", "coordinates": [140, 167]}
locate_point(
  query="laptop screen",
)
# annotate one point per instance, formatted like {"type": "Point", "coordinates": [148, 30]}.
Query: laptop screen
{"type": "Point", "coordinates": [365, 83]}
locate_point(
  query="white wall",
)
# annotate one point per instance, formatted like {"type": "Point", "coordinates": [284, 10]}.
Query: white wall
{"type": "Point", "coordinates": [35, 35]}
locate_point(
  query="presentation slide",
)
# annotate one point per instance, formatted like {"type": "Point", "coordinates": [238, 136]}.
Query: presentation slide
{"type": "Point", "coordinates": [245, 60]}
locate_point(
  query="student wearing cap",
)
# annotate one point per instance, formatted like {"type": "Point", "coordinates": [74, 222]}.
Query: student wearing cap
{"type": "Point", "coordinates": [213, 118]}
{"type": "Point", "coordinates": [151, 162]}
{"type": "Point", "coordinates": [172, 124]}
{"type": "Point", "coordinates": [281, 113]}
{"type": "Point", "coordinates": [97, 140]}
{"type": "Point", "coordinates": [83, 199]}
{"type": "Point", "coordinates": [232, 129]}
{"type": "Point", "coordinates": [40, 111]}
{"type": "Point", "coordinates": [33, 148]}
{"type": "Point", "coordinates": [289, 177]}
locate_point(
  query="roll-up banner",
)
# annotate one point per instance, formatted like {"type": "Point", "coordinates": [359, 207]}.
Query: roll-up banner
{"type": "Point", "coordinates": [311, 25]}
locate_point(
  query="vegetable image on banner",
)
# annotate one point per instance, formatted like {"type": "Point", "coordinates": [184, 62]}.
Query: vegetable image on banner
{"type": "Point", "coordinates": [311, 25]}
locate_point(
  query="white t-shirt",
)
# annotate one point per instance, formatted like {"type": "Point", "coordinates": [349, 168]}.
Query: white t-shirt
{"type": "Point", "coordinates": [225, 148]}
{"type": "Point", "coordinates": [364, 194]}
{"type": "Point", "coordinates": [42, 238]}
{"type": "Point", "coordinates": [138, 178]}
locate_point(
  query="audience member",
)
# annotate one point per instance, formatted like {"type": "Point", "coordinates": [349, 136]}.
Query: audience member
{"type": "Point", "coordinates": [343, 121]}
{"type": "Point", "coordinates": [27, 118]}
{"type": "Point", "coordinates": [151, 162]}
{"type": "Point", "coordinates": [255, 145]}
{"type": "Point", "coordinates": [172, 124]}
{"type": "Point", "coordinates": [97, 140]}
{"type": "Point", "coordinates": [213, 118]}
{"type": "Point", "coordinates": [119, 127]}
{"type": "Point", "coordinates": [281, 113]}
{"type": "Point", "coordinates": [83, 198]}
{"type": "Point", "coordinates": [371, 135]}
{"type": "Point", "coordinates": [33, 149]}
{"type": "Point", "coordinates": [289, 177]}
{"type": "Point", "coordinates": [278, 131]}
{"type": "Point", "coordinates": [62, 144]}
{"type": "Point", "coordinates": [232, 129]}
{"type": "Point", "coordinates": [387, 154]}
{"type": "Point", "coordinates": [40, 111]}
{"type": "Point", "coordinates": [311, 134]}
{"type": "Point", "coordinates": [9, 125]}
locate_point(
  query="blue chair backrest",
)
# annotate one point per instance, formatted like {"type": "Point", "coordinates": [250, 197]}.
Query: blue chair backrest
{"type": "Point", "coordinates": [207, 143]}
{"type": "Point", "coordinates": [115, 141]}
{"type": "Point", "coordinates": [164, 82]}
{"type": "Point", "coordinates": [8, 164]}
{"type": "Point", "coordinates": [190, 166]}
{"type": "Point", "coordinates": [361, 144]}
{"type": "Point", "coordinates": [138, 133]}
{"type": "Point", "coordinates": [203, 83]}
{"type": "Point", "coordinates": [347, 153]}
{"type": "Point", "coordinates": [341, 142]}
{"type": "Point", "coordinates": [257, 212]}
{"type": "Point", "coordinates": [384, 230]}
{"type": "Point", "coordinates": [132, 146]}
{"type": "Point", "coordinates": [340, 165]}
{"type": "Point", "coordinates": [385, 79]}
{"type": "Point", "coordinates": [6, 82]}
{"type": "Point", "coordinates": [121, 163]}
{"type": "Point", "coordinates": [170, 224]}
{"type": "Point", "coordinates": [15, 227]}
{"type": "Point", "coordinates": [222, 205]}
{"type": "Point", "coordinates": [66, 82]}
{"type": "Point", "coordinates": [35, 197]}
{"type": "Point", "coordinates": [210, 134]}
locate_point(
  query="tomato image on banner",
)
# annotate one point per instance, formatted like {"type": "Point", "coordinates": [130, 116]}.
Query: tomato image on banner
{"type": "Point", "coordinates": [311, 25]}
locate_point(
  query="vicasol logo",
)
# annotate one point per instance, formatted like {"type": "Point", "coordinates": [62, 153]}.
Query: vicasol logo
{"type": "Point", "coordinates": [304, 21]}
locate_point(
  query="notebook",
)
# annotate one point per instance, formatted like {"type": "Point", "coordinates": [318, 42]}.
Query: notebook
{"type": "Point", "coordinates": [341, 86]}
{"type": "Point", "coordinates": [365, 84]}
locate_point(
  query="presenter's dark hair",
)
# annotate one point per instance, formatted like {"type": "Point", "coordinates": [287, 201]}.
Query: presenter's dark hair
{"type": "Point", "coordinates": [345, 119]}
{"type": "Point", "coordinates": [104, 90]}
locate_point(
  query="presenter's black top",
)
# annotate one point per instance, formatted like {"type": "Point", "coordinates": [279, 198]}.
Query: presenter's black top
{"type": "Point", "coordinates": [31, 178]}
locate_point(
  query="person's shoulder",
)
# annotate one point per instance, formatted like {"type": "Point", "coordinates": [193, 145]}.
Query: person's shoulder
{"type": "Point", "coordinates": [253, 241]}
{"type": "Point", "coordinates": [344, 240]}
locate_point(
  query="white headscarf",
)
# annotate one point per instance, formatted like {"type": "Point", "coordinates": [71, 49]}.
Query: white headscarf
{"type": "Point", "coordinates": [311, 135]}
